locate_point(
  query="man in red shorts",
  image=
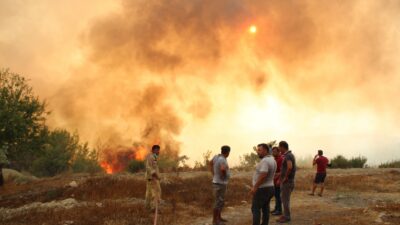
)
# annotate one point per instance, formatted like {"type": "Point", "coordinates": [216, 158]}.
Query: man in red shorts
{"type": "Point", "coordinates": [321, 162]}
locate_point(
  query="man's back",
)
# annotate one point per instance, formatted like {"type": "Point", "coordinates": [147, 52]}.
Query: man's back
{"type": "Point", "coordinates": [218, 161]}
{"type": "Point", "coordinates": [322, 163]}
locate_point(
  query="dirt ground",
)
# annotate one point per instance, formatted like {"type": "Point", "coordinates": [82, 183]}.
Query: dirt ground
{"type": "Point", "coordinates": [352, 196]}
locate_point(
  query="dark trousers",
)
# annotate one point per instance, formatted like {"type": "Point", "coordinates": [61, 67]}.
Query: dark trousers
{"type": "Point", "coordinates": [261, 200]}
{"type": "Point", "coordinates": [286, 192]}
{"type": "Point", "coordinates": [278, 201]}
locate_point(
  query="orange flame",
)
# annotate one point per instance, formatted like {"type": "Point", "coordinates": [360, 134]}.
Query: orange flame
{"type": "Point", "coordinates": [117, 159]}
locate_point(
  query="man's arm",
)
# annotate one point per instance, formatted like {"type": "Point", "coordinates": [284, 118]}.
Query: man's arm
{"type": "Point", "coordinates": [314, 160]}
{"type": "Point", "coordinates": [211, 166]}
{"type": "Point", "coordinates": [223, 171]}
{"type": "Point", "coordinates": [288, 171]}
{"type": "Point", "coordinates": [260, 180]}
{"type": "Point", "coordinates": [152, 164]}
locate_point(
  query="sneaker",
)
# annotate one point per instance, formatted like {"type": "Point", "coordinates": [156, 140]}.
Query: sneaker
{"type": "Point", "coordinates": [223, 220]}
{"type": "Point", "coordinates": [277, 213]}
{"type": "Point", "coordinates": [283, 219]}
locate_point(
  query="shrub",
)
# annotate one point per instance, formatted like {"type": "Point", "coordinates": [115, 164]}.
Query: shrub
{"type": "Point", "coordinates": [249, 160]}
{"type": "Point", "coordinates": [392, 164]}
{"type": "Point", "coordinates": [85, 161]}
{"type": "Point", "coordinates": [57, 154]}
{"type": "Point", "coordinates": [135, 166]}
{"type": "Point", "coordinates": [355, 162]}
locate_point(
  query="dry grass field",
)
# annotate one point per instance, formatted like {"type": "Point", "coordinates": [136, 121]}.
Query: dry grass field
{"type": "Point", "coordinates": [353, 196]}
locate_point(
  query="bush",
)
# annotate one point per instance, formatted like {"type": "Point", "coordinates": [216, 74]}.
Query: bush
{"type": "Point", "coordinates": [85, 161]}
{"type": "Point", "coordinates": [355, 162]}
{"type": "Point", "coordinates": [249, 160]}
{"type": "Point", "coordinates": [56, 154]}
{"type": "Point", "coordinates": [203, 166]}
{"type": "Point", "coordinates": [392, 164]}
{"type": "Point", "coordinates": [135, 166]}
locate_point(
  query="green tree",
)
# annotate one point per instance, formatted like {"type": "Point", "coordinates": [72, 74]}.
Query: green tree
{"type": "Point", "coordinates": [22, 117]}
{"type": "Point", "coordinates": [85, 160]}
{"type": "Point", "coordinates": [57, 154]}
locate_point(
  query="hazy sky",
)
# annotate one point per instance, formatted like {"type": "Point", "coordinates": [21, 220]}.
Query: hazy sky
{"type": "Point", "coordinates": [189, 74]}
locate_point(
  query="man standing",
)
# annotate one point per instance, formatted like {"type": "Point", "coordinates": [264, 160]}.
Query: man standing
{"type": "Point", "coordinates": [263, 185]}
{"type": "Point", "coordinates": [221, 174]}
{"type": "Point", "coordinates": [288, 172]}
{"type": "Point", "coordinates": [322, 162]}
{"type": "Point", "coordinates": [153, 188]}
{"type": "Point", "coordinates": [278, 202]}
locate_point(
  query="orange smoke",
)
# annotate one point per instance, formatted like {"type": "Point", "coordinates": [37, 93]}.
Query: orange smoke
{"type": "Point", "coordinates": [117, 159]}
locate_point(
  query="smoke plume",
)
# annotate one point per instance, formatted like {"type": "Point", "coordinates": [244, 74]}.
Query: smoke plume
{"type": "Point", "coordinates": [189, 73]}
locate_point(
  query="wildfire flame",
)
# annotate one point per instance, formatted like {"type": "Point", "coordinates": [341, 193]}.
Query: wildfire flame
{"type": "Point", "coordinates": [117, 159]}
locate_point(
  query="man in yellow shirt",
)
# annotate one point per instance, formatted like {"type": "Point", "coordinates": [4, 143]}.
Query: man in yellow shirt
{"type": "Point", "coordinates": [153, 188]}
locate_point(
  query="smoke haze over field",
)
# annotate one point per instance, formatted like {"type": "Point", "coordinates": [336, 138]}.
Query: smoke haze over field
{"type": "Point", "coordinates": [189, 74]}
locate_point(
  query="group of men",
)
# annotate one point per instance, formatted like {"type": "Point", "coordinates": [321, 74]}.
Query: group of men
{"type": "Point", "coordinates": [274, 176]}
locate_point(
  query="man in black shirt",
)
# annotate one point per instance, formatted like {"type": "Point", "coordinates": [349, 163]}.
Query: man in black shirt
{"type": "Point", "coordinates": [288, 172]}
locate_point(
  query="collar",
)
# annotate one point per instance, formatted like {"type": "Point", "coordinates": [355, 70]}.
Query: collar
{"type": "Point", "coordinates": [287, 152]}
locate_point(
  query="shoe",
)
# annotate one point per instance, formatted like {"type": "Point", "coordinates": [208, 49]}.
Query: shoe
{"type": "Point", "coordinates": [320, 195]}
{"type": "Point", "coordinates": [282, 219]}
{"type": "Point", "coordinates": [312, 194]}
{"type": "Point", "coordinates": [273, 211]}
{"type": "Point", "coordinates": [223, 220]}
{"type": "Point", "coordinates": [277, 213]}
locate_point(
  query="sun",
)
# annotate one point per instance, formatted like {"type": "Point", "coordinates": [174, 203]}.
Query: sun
{"type": "Point", "coordinates": [253, 29]}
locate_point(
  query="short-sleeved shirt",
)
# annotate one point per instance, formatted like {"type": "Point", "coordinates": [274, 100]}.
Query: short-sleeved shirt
{"type": "Point", "coordinates": [278, 160]}
{"type": "Point", "coordinates": [288, 156]}
{"type": "Point", "coordinates": [322, 163]}
{"type": "Point", "coordinates": [266, 165]}
{"type": "Point", "coordinates": [151, 166]}
{"type": "Point", "coordinates": [219, 160]}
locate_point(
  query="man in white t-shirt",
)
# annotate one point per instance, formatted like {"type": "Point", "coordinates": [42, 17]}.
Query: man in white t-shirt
{"type": "Point", "coordinates": [221, 174]}
{"type": "Point", "coordinates": [263, 185]}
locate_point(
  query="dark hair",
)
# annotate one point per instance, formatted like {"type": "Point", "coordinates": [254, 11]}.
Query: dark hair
{"type": "Point", "coordinates": [284, 145]}
{"type": "Point", "coordinates": [264, 146]}
{"type": "Point", "coordinates": [275, 148]}
{"type": "Point", "coordinates": [155, 147]}
{"type": "Point", "coordinates": [225, 149]}
{"type": "Point", "coordinates": [320, 152]}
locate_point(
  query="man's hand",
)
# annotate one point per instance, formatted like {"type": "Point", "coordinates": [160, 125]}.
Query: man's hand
{"type": "Point", "coordinates": [252, 191]}
{"type": "Point", "coordinates": [285, 180]}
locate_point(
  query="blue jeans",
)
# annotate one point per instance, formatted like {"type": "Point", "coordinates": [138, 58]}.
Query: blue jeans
{"type": "Point", "coordinates": [278, 201]}
{"type": "Point", "coordinates": [261, 200]}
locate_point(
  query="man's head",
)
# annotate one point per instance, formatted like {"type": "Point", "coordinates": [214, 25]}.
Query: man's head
{"type": "Point", "coordinates": [262, 150]}
{"type": "Point", "coordinates": [275, 151]}
{"type": "Point", "coordinates": [155, 149]}
{"type": "Point", "coordinates": [283, 147]}
{"type": "Point", "coordinates": [225, 150]}
{"type": "Point", "coordinates": [320, 152]}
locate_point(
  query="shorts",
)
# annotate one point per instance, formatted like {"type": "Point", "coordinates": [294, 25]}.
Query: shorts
{"type": "Point", "coordinates": [219, 191]}
{"type": "Point", "coordinates": [320, 178]}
